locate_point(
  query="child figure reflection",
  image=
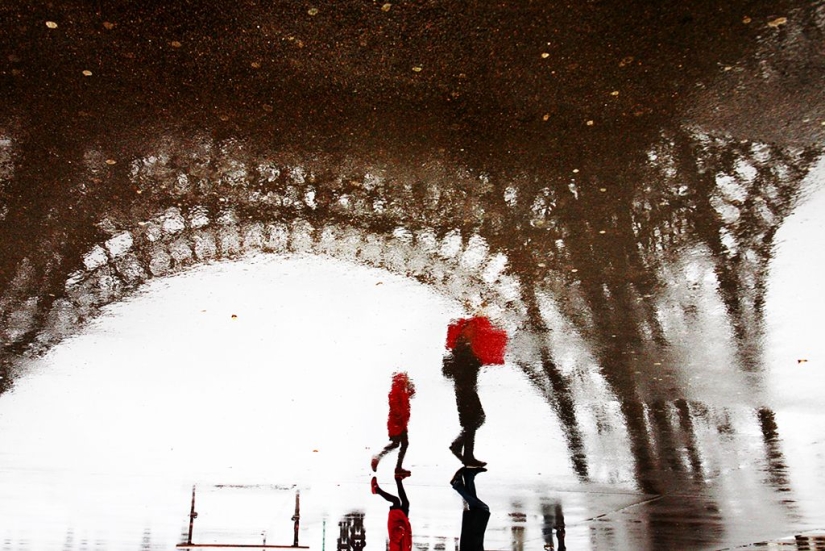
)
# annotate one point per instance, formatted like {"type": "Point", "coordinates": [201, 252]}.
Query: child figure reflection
{"type": "Point", "coordinates": [399, 529]}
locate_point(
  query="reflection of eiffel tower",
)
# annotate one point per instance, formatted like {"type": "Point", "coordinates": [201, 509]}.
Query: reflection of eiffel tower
{"type": "Point", "coordinates": [352, 535]}
{"type": "Point", "coordinates": [606, 265]}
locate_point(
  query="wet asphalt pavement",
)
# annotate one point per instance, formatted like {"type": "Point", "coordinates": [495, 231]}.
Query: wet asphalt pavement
{"type": "Point", "coordinates": [630, 190]}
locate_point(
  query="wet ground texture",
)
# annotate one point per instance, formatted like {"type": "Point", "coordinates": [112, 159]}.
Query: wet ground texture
{"type": "Point", "coordinates": [605, 180]}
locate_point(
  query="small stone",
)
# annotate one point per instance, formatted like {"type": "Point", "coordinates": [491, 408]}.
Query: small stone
{"type": "Point", "coordinates": [614, 93]}
{"type": "Point", "coordinates": [779, 21]}
{"type": "Point", "coordinates": [108, 25]}
{"type": "Point", "coordinates": [417, 69]}
{"type": "Point", "coordinates": [590, 123]}
{"type": "Point", "coordinates": [602, 232]}
{"type": "Point", "coordinates": [111, 162]}
{"type": "Point", "coordinates": [386, 7]}
{"type": "Point", "coordinates": [545, 55]}
{"type": "Point", "coordinates": [546, 117]}
{"type": "Point", "coordinates": [255, 65]}
{"type": "Point", "coordinates": [602, 189]}
{"type": "Point", "coordinates": [87, 73]}
{"type": "Point", "coordinates": [175, 44]}
{"type": "Point", "coordinates": [312, 11]}
{"type": "Point", "coordinates": [51, 24]}
{"type": "Point", "coordinates": [746, 20]}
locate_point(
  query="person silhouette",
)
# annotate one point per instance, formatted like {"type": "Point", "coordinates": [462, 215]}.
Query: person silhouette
{"type": "Point", "coordinates": [462, 366]}
{"type": "Point", "coordinates": [402, 390]}
{"type": "Point", "coordinates": [476, 513]}
{"type": "Point", "coordinates": [399, 529]}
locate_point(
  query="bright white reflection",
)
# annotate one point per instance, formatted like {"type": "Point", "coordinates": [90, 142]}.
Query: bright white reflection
{"type": "Point", "coordinates": [795, 348]}
{"type": "Point", "coordinates": [796, 299]}
{"type": "Point", "coordinates": [272, 370]}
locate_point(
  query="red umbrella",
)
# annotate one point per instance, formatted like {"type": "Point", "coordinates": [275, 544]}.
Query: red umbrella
{"type": "Point", "coordinates": [487, 342]}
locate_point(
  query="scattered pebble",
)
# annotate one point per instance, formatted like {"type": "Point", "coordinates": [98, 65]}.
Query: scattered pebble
{"type": "Point", "coordinates": [312, 11]}
{"type": "Point", "coordinates": [108, 25]}
{"type": "Point", "coordinates": [255, 65]}
{"type": "Point", "coordinates": [627, 60]}
{"type": "Point", "coordinates": [175, 44]}
{"type": "Point", "coordinates": [779, 21]}
{"type": "Point", "coordinates": [111, 162]}
{"type": "Point", "coordinates": [417, 69]}
{"type": "Point", "coordinates": [602, 232]}
{"type": "Point", "coordinates": [546, 117]}
{"type": "Point", "coordinates": [51, 24]}
{"type": "Point", "coordinates": [590, 123]}
{"type": "Point", "coordinates": [386, 7]}
{"type": "Point", "coordinates": [746, 20]}
{"type": "Point", "coordinates": [614, 93]}
{"type": "Point", "coordinates": [602, 189]}
{"type": "Point", "coordinates": [575, 171]}
{"type": "Point", "coordinates": [545, 55]}
{"type": "Point", "coordinates": [574, 270]}
{"type": "Point", "coordinates": [87, 73]}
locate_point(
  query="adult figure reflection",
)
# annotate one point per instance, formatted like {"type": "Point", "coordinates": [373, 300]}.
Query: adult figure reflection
{"type": "Point", "coordinates": [398, 518]}
{"type": "Point", "coordinates": [476, 513]}
{"type": "Point", "coordinates": [462, 366]}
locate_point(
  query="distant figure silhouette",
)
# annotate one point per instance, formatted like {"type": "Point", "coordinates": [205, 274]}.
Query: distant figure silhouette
{"type": "Point", "coordinates": [399, 530]}
{"type": "Point", "coordinates": [553, 519]}
{"type": "Point", "coordinates": [476, 513]}
{"type": "Point", "coordinates": [462, 366]}
{"type": "Point", "coordinates": [401, 391]}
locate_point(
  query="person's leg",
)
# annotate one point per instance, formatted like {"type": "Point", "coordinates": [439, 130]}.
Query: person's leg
{"type": "Point", "coordinates": [465, 486]}
{"type": "Point", "coordinates": [394, 443]}
{"type": "Point", "coordinates": [457, 446]}
{"type": "Point", "coordinates": [376, 489]}
{"type": "Point", "coordinates": [404, 442]}
{"type": "Point", "coordinates": [469, 449]}
{"type": "Point", "coordinates": [405, 503]}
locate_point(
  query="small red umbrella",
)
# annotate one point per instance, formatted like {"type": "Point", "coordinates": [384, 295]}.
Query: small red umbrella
{"type": "Point", "coordinates": [487, 341]}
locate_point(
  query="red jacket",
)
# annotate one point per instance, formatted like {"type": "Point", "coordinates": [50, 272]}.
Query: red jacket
{"type": "Point", "coordinates": [399, 398]}
{"type": "Point", "coordinates": [399, 531]}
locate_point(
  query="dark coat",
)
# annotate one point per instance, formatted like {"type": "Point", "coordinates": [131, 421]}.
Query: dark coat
{"type": "Point", "coordinates": [462, 366]}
